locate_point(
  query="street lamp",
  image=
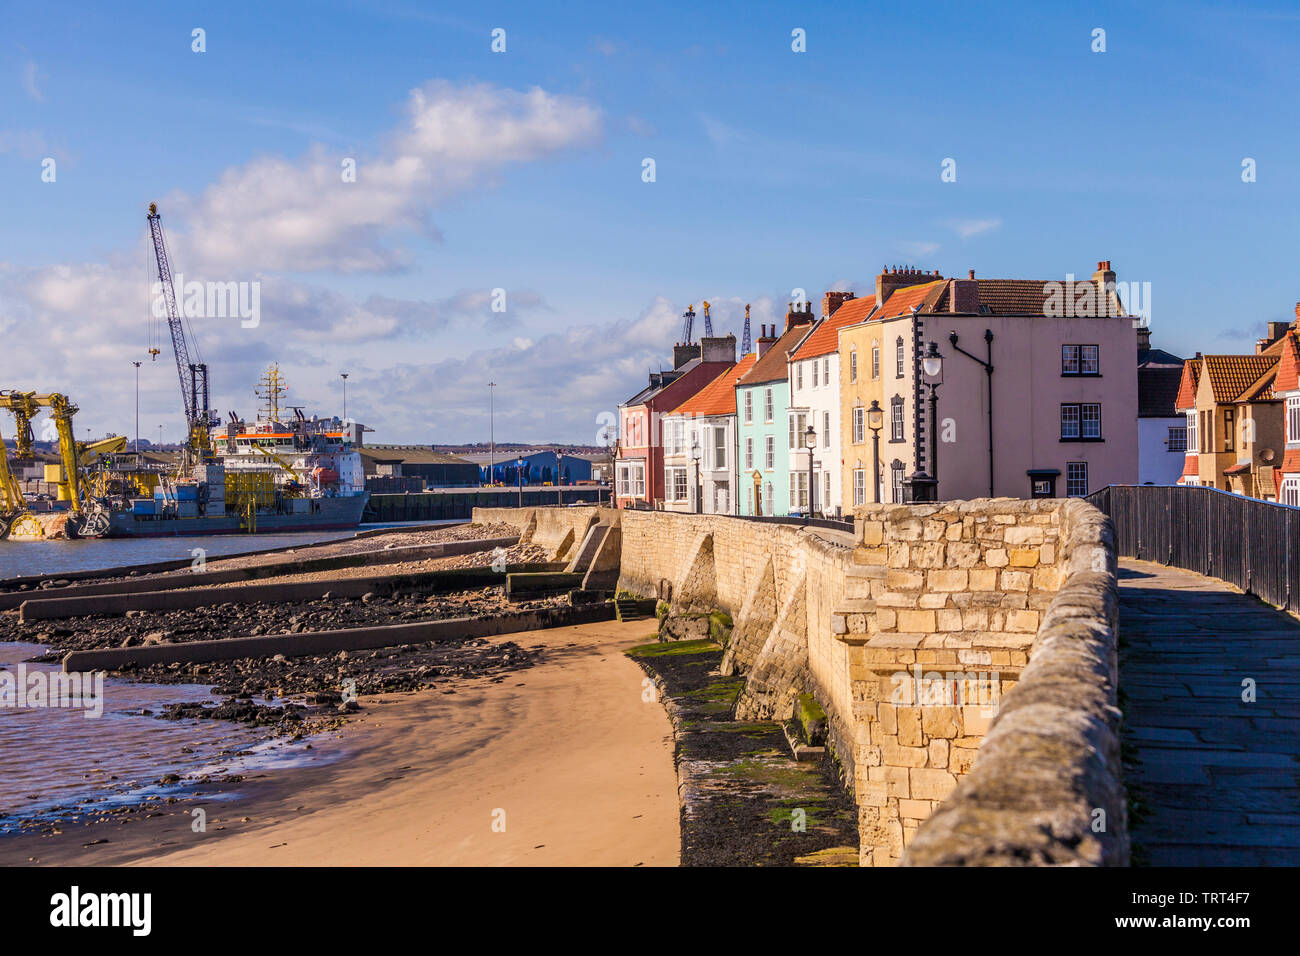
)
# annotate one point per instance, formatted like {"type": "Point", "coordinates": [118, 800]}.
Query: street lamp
{"type": "Point", "coordinates": [137, 407]}
{"type": "Point", "coordinates": [932, 365]}
{"type": "Point", "coordinates": [696, 454]}
{"type": "Point", "coordinates": [519, 476]}
{"type": "Point", "coordinates": [492, 438]}
{"type": "Point", "coordinates": [559, 476]}
{"type": "Point", "coordinates": [810, 442]}
{"type": "Point", "coordinates": [344, 376]}
{"type": "Point", "coordinates": [875, 421]}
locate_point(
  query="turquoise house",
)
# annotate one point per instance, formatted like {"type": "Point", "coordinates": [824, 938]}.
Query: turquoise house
{"type": "Point", "coordinates": [762, 421]}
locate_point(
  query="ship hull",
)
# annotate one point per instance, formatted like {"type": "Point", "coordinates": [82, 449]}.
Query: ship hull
{"type": "Point", "coordinates": [329, 514]}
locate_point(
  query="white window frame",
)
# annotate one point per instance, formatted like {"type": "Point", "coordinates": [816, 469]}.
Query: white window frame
{"type": "Point", "coordinates": [749, 406]}
{"type": "Point", "coordinates": [769, 453]}
{"type": "Point", "coordinates": [671, 477]}
{"type": "Point", "coordinates": [859, 424]}
{"type": "Point", "coordinates": [1293, 418]}
{"type": "Point", "coordinates": [859, 486]}
{"type": "Point", "coordinates": [769, 406]}
{"type": "Point", "coordinates": [749, 454]}
{"type": "Point", "coordinates": [1076, 476]}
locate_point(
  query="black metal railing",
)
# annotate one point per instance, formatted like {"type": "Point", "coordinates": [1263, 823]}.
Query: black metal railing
{"type": "Point", "coordinates": [1251, 543]}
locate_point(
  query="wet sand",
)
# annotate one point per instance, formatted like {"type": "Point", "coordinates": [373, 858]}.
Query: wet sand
{"type": "Point", "coordinates": [567, 759]}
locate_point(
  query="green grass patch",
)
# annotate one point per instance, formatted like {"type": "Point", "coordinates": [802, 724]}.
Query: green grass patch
{"type": "Point", "coordinates": [673, 649]}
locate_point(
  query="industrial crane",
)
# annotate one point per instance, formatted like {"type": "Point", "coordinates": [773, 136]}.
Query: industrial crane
{"type": "Point", "coordinates": [194, 376]}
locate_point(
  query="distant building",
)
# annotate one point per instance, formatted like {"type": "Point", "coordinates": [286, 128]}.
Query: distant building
{"type": "Point", "coordinates": [434, 469]}
{"type": "Point", "coordinates": [700, 447]}
{"type": "Point", "coordinates": [1162, 431]}
{"type": "Point", "coordinates": [540, 466]}
{"type": "Point", "coordinates": [1235, 435]}
{"type": "Point", "coordinates": [638, 467]}
{"type": "Point", "coordinates": [765, 428]}
{"type": "Point", "coordinates": [814, 378]}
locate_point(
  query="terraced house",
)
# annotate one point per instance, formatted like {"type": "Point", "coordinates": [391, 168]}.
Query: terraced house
{"type": "Point", "coordinates": [700, 467]}
{"type": "Point", "coordinates": [763, 429]}
{"type": "Point", "coordinates": [1235, 428]}
{"type": "Point", "coordinates": [1027, 399]}
{"type": "Point", "coordinates": [639, 458]}
{"type": "Point", "coordinates": [814, 377]}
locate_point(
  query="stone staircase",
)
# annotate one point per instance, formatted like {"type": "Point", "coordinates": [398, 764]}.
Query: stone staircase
{"type": "Point", "coordinates": [634, 609]}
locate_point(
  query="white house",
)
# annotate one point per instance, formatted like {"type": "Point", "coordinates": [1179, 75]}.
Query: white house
{"type": "Point", "coordinates": [815, 402]}
{"type": "Point", "coordinates": [700, 447]}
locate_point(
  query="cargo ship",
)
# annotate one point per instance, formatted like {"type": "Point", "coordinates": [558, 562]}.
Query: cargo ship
{"type": "Point", "coordinates": [280, 473]}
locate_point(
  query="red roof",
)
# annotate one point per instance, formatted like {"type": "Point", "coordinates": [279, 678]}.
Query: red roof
{"type": "Point", "coordinates": [1186, 399]}
{"type": "Point", "coordinates": [902, 301]}
{"type": "Point", "coordinates": [1191, 466]}
{"type": "Point", "coordinates": [719, 396]}
{"type": "Point", "coordinates": [771, 366]}
{"type": "Point", "coordinates": [1288, 366]}
{"type": "Point", "coordinates": [1290, 462]}
{"type": "Point", "coordinates": [825, 338]}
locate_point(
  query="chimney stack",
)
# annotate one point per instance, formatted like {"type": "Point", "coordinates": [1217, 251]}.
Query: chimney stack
{"type": "Point", "coordinates": [964, 296]}
{"type": "Point", "coordinates": [1104, 278]}
{"type": "Point", "coordinates": [720, 348]}
{"type": "Point", "coordinates": [764, 341]}
{"type": "Point", "coordinates": [831, 301]}
{"type": "Point", "coordinates": [899, 277]}
{"type": "Point", "coordinates": [1144, 338]}
{"type": "Point", "coordinates": [683, 352]}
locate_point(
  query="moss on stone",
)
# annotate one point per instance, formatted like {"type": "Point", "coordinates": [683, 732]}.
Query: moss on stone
{"type": "Point", "coordinates": [672, 649]}
{"type": "Point", "coordinates": [812, 720]}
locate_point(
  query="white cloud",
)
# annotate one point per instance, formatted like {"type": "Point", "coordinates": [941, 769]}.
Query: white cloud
{"type": "Point", "coordinates": [30, 76]}
{"type": "Point", "coordinates": [917, 249]}
{"type": "Point", "coordinates": [969, 228]}
{"type": "Point", "coordinates": [299, 215]}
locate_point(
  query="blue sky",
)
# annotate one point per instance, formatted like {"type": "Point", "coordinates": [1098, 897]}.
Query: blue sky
{"type": "Point", "coordinates": [775, 170]}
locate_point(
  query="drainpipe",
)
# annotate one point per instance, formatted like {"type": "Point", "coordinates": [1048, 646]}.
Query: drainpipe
{"type": "Point", "coordinates": [988, 374]}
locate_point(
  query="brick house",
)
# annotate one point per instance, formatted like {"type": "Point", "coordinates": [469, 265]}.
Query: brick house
{"type": "Point", "coordinates": [707, 421]}
{"type": "Point", "coordinates": [1235, 433]}
{"type": "Point", "coordinates": [639, 462]}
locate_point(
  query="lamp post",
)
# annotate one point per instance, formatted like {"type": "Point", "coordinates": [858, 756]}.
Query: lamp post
{"type": "Point", "coordinates": [810, 442]}
{"type": "Point", "coordinates": [344, 376]}
{"type": "Point", "coordinates": [559, 476]}
{"type": "Point", "coordinates": [492, 439]}
{"type": "Point", "coordinates": [932, 365]}
{"type": "Point", "coordinates": [988, 377]}
{"type": "Point", "coordinates": [921, 486]}
{"type": "Point", "coordinates": [696, 454]}
{"type": "Point", "coordinates": [875, 421]}
{"type": "Point", "coordinates": [519, 476]}
{"type": "Point", "coordinates": [137, 407]}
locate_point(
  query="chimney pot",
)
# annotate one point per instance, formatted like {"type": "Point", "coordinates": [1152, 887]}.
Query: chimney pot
{"type": "Point", "coordinates": [971, 275]}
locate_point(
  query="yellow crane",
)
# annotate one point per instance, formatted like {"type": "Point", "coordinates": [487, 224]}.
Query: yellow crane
{"type": "Point", "coordinates": [85, 516]}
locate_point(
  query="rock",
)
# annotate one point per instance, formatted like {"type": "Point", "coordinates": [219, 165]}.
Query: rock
{"type": "Point", "coordinates": [368, 597]}
{"type": "Point", "coordinates": [279, 657]}
{"type": "Point", "coordinates": [156, 637]}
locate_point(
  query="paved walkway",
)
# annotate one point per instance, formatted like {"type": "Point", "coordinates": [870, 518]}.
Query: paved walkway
{"type": "Point", "coordinates": [1217, 779]}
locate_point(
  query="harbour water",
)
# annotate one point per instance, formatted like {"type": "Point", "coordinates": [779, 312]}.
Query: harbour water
{"type": "Point", "coordinates": [57, 757]}
{"type": "Point", "coordinates": [21, 558]}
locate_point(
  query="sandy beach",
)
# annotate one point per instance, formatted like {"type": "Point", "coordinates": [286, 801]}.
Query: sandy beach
{"type": "Point", "coordinates": [563, 763]}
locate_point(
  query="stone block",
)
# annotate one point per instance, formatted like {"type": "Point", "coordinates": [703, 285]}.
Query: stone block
{"type": "Point", "coordinates": [942, 721]}
{"type": "Point", "coordinates": [1023, 557]}
{"type": "Point", "coordinates": [947, 580]}
{"type": "Point", "coordinates": [902, 580]}
{"type": "Point", "coordinates": [1022, 621]}
{"type": "Point", "coordinates": [930, 784]}
{"type": "Point", "coordinates": [1016, 580]}
{"type": "Point", "coordinates": [909, 726]}
{"type": "Point", "coordinates": [939, 753]}
{"type": "Point", "coordinates": [914, 621]}
{"type": "Point", "coordinates": [983, 579]}
{"type": "Point", "coordinates": [914, 809]}
{"type": "Point", "coordinates": [996, 557]}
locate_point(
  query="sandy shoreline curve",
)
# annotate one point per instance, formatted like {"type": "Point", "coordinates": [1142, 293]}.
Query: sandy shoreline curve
{"type": "Point", "coordinates": [566, 763]}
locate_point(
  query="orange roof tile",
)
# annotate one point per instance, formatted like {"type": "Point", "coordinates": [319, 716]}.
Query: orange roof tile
{"type": "Point", "coordinates": [1288, 366]}
{"type": "Point", "coordinates": [902, 301]}
{"type": "Point", "coordinates": [1186, 399]}
{"type": "Point", "coordinates": [1191, 466]}
{"type": "Point", "coordinates": [825, 338]}
{"type": "Point", "coordinates": [719, 396]}
{"type": "Point", "coordinates": [1232, 375]}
